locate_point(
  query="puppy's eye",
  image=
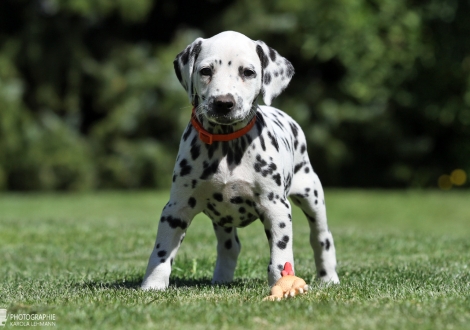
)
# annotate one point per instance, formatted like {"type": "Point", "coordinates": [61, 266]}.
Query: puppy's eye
{"type": "Point", "coordinates": [206, 71]}
{"type": "Point", "coordinates": [248, 73]}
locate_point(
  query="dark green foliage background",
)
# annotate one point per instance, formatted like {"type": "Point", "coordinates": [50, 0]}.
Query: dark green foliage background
{"type": "Point", "coordinates": [88, 97]}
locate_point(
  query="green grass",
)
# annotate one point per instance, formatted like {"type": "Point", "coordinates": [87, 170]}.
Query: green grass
{"type": "Point", "coordinates": [403, 263]}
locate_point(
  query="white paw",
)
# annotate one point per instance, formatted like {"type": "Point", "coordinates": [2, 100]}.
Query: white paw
{"type": "Point", "coordinates": [331, 279]}
{"type": "Point", "coordinates": [149, 285]}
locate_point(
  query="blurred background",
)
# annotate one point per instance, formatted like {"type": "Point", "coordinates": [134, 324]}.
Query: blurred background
{"type": "Point", "coordinates": [89, 99]}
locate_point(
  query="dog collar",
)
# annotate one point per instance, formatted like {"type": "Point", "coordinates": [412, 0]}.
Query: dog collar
{"type": "Point", "coordinates": [208, 138]}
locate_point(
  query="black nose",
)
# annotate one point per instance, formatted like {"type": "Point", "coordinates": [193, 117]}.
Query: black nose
{"type": "Point", "coordinates": [224, 104]}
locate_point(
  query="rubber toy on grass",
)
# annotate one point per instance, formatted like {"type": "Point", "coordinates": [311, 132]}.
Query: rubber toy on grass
{"type": "Point", "coordinates": [288, 285]}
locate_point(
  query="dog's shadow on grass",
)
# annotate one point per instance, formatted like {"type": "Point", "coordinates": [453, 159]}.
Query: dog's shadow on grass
{"type": "Point", "coordinates": [134, 282]}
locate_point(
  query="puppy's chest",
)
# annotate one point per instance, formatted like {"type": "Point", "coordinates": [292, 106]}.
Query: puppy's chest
{"type": "Point", "coordinates": [231, 203]}
{"type": "Point", "coordinates": [229, 194]}
{"type": "Point", "coordinates": [228, 180]}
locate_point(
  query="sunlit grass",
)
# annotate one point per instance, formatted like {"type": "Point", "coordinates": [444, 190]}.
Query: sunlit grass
{"type": "Point", "coordinates": [403, 264]}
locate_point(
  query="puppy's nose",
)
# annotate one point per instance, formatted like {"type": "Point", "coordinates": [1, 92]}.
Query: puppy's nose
{"type": "Point", "coordinates": [224, 104]}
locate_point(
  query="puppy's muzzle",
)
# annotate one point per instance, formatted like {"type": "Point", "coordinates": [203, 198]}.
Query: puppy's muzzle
{"type": "Point", "coordinates": [222, 105]}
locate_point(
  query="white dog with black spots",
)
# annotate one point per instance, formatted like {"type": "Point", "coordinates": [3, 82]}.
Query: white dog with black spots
{"type": "Point", "coordinates": [239, 162]}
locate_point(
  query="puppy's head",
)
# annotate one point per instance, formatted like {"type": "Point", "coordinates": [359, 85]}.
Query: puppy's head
{"type": "Point", "coordinates": [224, 75]}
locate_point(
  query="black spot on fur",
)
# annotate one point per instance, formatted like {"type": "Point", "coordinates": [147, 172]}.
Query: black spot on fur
{"type": "Point", "coordinates": [279, 124]}
{"type": "Point", "coordinates": [262, 56]}
{"type": "Point", "coordinates": [303, 148]}
{"type": "Point", "coordinates": [187, 132]}
{"type": "Point", "coordinates": [209, 169]}
{"type": "Point", "coordinates": [283, 201]}
{"type": "Point", "coordinates": [290, 69]}
{"type": "Point", "coordinates": [196, 50]}
{"type": "Point", "coordinates": [327, 244]}
{"type": "Point", "coordinates": [174, 222]}
{"type": "Point", "coordinates": [282, 225]}
{"type": "Point", "coordinates": [263, 145]}
{"type": "Point", "coordinates": [267, 78]}
{"type": "Point", "coordinates": [193, 183]}
{"type": "Point", "coordinates": [161, 253]}
{"type": "Point", "coordinates": [185, 167]}
{"type": "Point", "coordinates": [295, 130]}
{"type": "Point", "coordinates": [273, 141]}
{"type": "Point", "coordinates": [236, 200]}
{"type": "Point", "coordinates": [185, 55]}
{"type": "Point", "coordinates": [218, 197]}
{"type": "Point", "coordinates": [259, 163]}
{"type": "Point", "coordinates": [277, 179]}
{"type": "Point", "coordinates": [322, 273]}
{"type": "Point", "coordinates": [225, 220]}
{"type": "Point", "coordinates": [192, 202]}
{"type": "Point", "coordinates": [298, 166]}
{"type": "Point", "coordinates": [228, 244]}
{"type": "Point", "coordinates": [211, 148]}
{"type": "Point", "coordinates": [271, 196]}
{"type": "Point", "coordinates": [195, 148]}
{"type": "Point", "coordinates": [283, 243]}
{"type": "Point", "coordinates": [241, 210]}
{"type": "Point", "coordinates": [212, 208]}
{"type": "Point", "coordinates": [272, 54]}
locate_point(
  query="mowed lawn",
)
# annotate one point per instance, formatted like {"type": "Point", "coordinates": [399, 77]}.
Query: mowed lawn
{"type": "Point", "coordinates": [403, 262]}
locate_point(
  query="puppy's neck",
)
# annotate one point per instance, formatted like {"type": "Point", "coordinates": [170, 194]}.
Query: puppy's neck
{"type": "Point", "coordinates": [215, 128]}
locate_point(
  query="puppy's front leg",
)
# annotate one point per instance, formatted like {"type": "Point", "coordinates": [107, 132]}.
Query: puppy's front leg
{"type": "Point", "coordinates": [277, 220]}
{"type": "Point", "coordinates": [171, 231]}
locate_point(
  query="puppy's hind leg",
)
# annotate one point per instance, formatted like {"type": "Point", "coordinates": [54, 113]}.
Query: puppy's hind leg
{"type": "Point", "coordinates": [228, 249]}
{"type": "Point", "coordinates": [307, 192]}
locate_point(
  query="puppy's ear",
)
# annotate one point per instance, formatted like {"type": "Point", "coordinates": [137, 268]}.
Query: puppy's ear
{"type": "Point", "coordinates": [277, 72]}
{"type": "Point", "coordinates": [184, 66]}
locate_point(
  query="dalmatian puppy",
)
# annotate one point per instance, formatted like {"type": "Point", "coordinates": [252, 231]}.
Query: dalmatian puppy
{"type": "Point", "coordinates": [239, 162]}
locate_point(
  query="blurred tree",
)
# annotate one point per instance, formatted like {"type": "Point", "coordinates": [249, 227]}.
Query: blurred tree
{"type": "Point", "coordinates": [381, 85]}
{"type": "Point", "coordinates": [89, 92]}
{"type": "Point", "coordinates": [88, 97]}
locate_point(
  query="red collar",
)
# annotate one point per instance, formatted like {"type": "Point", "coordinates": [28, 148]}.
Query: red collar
{"type": "Point", "coordinates": [208, 138]}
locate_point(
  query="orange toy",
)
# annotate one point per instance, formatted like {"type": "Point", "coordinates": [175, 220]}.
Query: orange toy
{"type": "Point", "coordinates": [288, 285]}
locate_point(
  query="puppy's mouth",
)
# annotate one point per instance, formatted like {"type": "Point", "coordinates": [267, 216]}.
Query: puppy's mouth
{"type": "Point", "coordinates": [223, 119]}
{"type": "Point", "coordinates": [224, 110]}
